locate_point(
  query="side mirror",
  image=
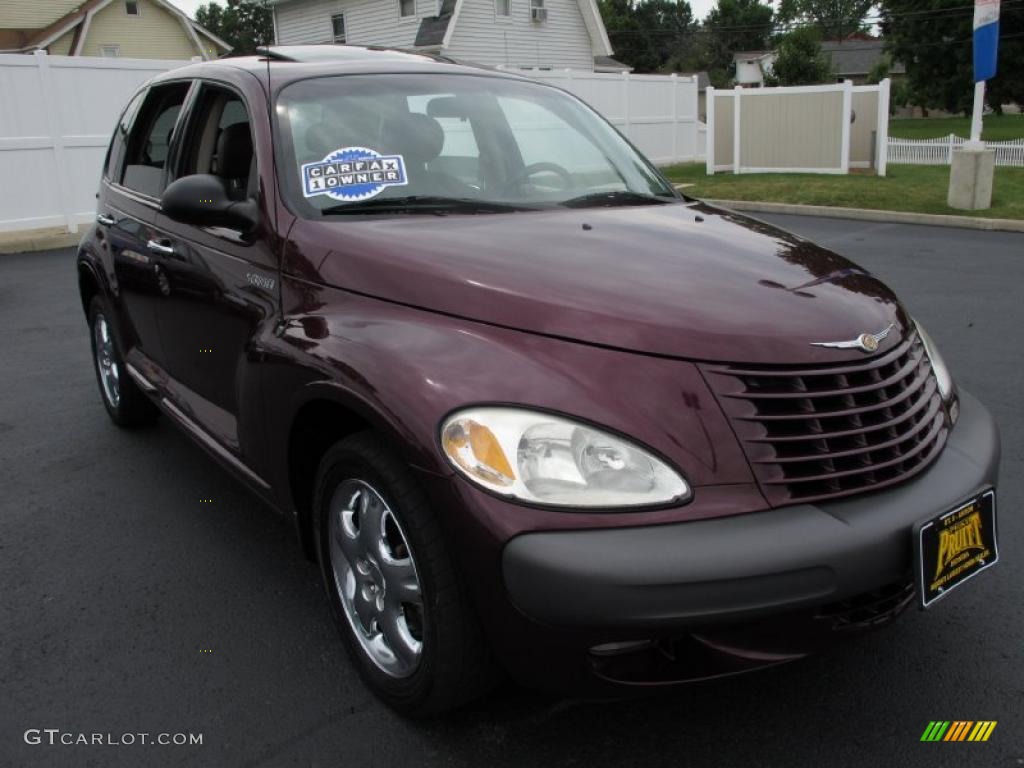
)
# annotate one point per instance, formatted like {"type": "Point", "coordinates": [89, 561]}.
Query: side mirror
{"type": "Point", "coordinates": [202, 200]}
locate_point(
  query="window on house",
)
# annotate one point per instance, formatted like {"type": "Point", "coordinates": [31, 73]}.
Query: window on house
{"type": "Point", "coordinates": [407, 9]}
{"type": "Point", "coordinates": [338, 27]}
{"type": "Point", "coordinates": [131, 7]}
{"type": "Point", "coordinates": [149, 142]}
{"type": "Point", "coordinates": [110, 51]}
{"type": "Point", "coordinates": [503, 7]}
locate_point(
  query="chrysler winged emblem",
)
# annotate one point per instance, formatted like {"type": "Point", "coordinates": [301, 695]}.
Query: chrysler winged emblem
{"type": "Point", "coordinates": [868, 342]}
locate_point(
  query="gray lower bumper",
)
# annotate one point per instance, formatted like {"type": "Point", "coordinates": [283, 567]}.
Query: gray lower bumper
{"type": "Point", "coordinates": [736, 568]}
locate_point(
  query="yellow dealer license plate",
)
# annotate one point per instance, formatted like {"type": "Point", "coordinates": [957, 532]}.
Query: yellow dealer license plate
{"type": "Point", "coordinates": [955, 546]}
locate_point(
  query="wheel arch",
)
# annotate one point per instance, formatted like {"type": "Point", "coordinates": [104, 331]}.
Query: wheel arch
{"type": "Point", "coordinates": [89, 283]}
{"type": "Point", "coordinates": [324, 414]}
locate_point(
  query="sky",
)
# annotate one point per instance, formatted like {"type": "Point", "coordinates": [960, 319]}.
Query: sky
{"type": "Point", "coordinates": [700, 7]}
{"type": "Point", "coordinates": [189, 6]}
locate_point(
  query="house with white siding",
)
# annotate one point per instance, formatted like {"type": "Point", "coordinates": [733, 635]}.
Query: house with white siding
{"type": "Point", "coordinates": [547, 34]}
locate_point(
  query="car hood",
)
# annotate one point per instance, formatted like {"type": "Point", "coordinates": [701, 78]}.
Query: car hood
{"type": "Point", "coordinates": [683, 280]}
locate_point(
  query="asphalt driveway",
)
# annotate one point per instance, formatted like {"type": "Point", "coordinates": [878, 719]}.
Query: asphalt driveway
{"type": "Point", "coordinates": [129, 605]}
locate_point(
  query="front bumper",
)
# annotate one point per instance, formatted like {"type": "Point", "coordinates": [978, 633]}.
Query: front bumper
{"type": "Point", "coordinates": [714, 576]}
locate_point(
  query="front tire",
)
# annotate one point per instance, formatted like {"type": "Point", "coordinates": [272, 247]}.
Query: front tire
{"type": "Point", "coordinates": [394, 593]}
{"type": "Point", "coordinates": [126, 404]}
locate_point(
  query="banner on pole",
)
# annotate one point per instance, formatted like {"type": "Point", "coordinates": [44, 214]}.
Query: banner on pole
{"type": "Point", "coordinates": [986, 38]}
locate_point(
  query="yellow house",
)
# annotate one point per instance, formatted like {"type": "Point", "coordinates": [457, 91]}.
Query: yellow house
{"type": "Point", "coordinates": [138, 29]}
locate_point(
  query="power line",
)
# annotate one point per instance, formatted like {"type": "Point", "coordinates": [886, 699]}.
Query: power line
{"type": "Point", "coordinates": [619, 51]}
{"type": "Point", "coordinates": [940, 14]}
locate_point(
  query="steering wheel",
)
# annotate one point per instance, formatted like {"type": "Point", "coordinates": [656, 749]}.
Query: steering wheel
{"type": "Point", "coordinates": [534, 168]}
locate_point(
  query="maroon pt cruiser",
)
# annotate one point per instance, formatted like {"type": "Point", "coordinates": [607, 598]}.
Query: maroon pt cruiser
{"type": "Point", "coordinates": [529, 409]}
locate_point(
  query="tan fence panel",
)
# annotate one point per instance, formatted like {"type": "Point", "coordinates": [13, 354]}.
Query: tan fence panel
{"type": "Point", "coordinates": [863, 129]}
{"type": "Point", "coordinates": [792, 131]}
{"type": "Point", "coordinates": [723, 127]}
{"type": "Point", "coordinates": [801, 129]}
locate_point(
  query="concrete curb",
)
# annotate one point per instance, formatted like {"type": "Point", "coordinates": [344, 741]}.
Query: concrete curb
{"type": "Point", "coordinates": [865, 214]}
{"type": "Point", "coordinates": [28, 240]}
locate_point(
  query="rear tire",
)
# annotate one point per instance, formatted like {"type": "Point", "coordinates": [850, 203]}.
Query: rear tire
{"type": "Point", "coordinates": [127, 405]}
{"type": "Point", "coordinates": [379, 544]}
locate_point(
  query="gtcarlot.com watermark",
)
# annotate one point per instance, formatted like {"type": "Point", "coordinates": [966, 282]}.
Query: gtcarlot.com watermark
{"type": "Point", "coordinates": [58, 737]}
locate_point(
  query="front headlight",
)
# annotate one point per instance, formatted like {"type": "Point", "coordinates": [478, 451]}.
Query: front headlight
{"type": "Point", "coordinates": [947, 388]}
{"type": "Point", "coordinates": [538, 457]}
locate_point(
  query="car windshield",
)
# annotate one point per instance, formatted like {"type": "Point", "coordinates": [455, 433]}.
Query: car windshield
{"type": "Point", "coordinates": [400, 143]}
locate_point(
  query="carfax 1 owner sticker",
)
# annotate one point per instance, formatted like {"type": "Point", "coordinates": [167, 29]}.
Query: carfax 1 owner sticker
{"type": "Point", "coordinates": [352, 174]}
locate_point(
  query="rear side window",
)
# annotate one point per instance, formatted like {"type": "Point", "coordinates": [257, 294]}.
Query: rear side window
{"type": "Point", "coordinates": [149, 141]}
{"type": "Point", "coordinates": [115, 154]}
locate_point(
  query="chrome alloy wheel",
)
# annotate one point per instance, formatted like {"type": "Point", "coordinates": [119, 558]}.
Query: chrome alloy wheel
{"type": "Point", "coordinates": [106, 360]}
{"type": "Point", "coordinates": [375, 578]}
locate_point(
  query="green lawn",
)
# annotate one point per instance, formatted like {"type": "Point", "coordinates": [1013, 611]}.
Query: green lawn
{"type": "Point", "coordinates": [994, 127]}
{"type": "Point", "coordinates": [915, 188]}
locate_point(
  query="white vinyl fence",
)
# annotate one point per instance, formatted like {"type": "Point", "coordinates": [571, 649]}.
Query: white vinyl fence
{"type": "Point", "coordinates": [56, 118]}
{"type": "Point", "coordinates": [58, 113]}
{"type": "Point", "coordinates": [940, 151]}
{"type": "Point", "coordinates": [658, 113]}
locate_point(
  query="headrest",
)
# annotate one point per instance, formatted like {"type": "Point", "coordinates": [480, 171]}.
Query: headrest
{"type": "Point", "coordinates": [234, 152]}
{"type": "Point", "coordinates": [418, 137]}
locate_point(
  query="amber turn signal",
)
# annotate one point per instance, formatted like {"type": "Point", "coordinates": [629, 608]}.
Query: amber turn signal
{"type": "Point", "coordinates": [477, 451]}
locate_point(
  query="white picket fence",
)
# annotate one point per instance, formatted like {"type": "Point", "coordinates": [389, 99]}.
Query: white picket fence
{"type": "Point", "coordinates": [940, 151]}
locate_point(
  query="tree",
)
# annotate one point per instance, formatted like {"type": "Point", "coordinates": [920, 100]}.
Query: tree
{"type": "Point", "coordinates": [648, 33]}
{"type": "Point", "coordinates": [880, 70]}
{"type": "Point", "coordinates": [244, 24]}
{"type": "Point", "coordinates": [835, 19]}
{"type": "Point", "coordinates": [799, 60]}
{"type": "Point", "coordinates": [936, 49]}
{"type": "Point", "coordinates": [731, 26]}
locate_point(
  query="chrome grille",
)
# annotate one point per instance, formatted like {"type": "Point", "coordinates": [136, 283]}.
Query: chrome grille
{"type": "Point", "coordinates": [821, 432]}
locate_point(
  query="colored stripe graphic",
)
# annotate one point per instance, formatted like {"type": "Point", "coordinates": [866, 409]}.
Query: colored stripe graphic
{"type": "Point", "coordinates": [958, 730]}
{"type": "Point", "coordinates": [983, 730]}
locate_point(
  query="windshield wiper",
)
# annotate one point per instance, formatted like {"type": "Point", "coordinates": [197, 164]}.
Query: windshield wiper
{"type": "Point", "coordinates": [424, 204]}
{"type": "Point", "coordinates": [620, 197]}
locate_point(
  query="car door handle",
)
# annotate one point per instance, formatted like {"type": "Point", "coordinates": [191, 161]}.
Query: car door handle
{"type": "Point", "coordinates": [161, 248]}
{"type": "Point", "coordinates": [107, 221]}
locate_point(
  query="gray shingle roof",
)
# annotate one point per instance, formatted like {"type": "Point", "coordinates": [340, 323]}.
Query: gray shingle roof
{"type": "Point", "coordinates": [857, 57]}
{"type": "Point", "coordinates": [433, 28]}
